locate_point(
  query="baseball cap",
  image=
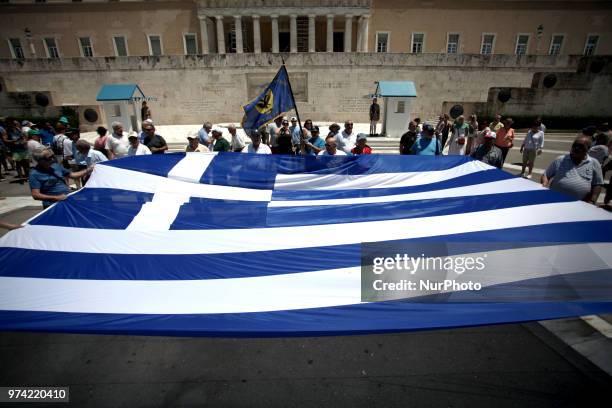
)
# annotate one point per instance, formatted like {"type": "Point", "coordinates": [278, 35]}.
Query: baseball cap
{"type": "Point", "coordinates": [255, 133]}
{"type": "Point", "coordinates": [217, 129]}
{"type": "Point", "coordinates": [148, 121]}
{"type": "Point", "coordinates": [293, 119]}
{"type": "Point", "coordinates": [362, 136]}
{"type": "Point", "coordinates": [63, 120]}
{"type": "Point", "coordinates": [490, 135]}
{"type": "Point", "coordinates": [26, 123]}
{"type": "Point", "coordinates": [33, 132]}
{"type": "Point", "coordinates": [314, 129]}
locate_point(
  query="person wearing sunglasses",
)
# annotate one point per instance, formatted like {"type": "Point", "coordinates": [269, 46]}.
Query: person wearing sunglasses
{"type": "Point", "coordinates": [331, 148]}
{"type": "Point", "coordinates": [575, 174]}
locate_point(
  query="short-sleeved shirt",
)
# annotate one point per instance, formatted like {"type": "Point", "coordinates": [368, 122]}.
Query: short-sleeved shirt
{"type": "Point", "coordinates": [203, 136]}
{"type": "Point", "coordinates": [118, 145]}
{"type": "Point", "coordinates": [534, 141]}
{"type": "Point", "coordinates": [493, 156]}
{"type": "Point", "coordinates": [262, 149]}
{"type": "Point", "coordinates": [49, 182]}
{"type": "Point", "coordinates": [317, 142]}
{"type": "Point", "coordinates": [93, 157]}
{"type": "Point", "coordinates": [407, 141]}
{"type": "Point", "coordinates": [574, 180]}
{"type": "Point", "coordinates": [326, 153]}
{"type": "Point", "coordinates": [599, 152]}
{"type": "Point", "coordinates": [200, 149]}
{"type": "Point", "coordinates": [500, 137]}
{"type": "Point", "coordinates": [46, 136]}
{"type": "Point", "coordinates": [155, 141]}
{"type": "Point", "coordinates": [221, 145]}
{"type": "Point", "coordinates": [425, 147]}
{"type": "Point", "coordinates": [141, 150]}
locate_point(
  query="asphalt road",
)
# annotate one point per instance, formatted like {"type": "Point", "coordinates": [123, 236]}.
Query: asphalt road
{"type": "Point", "coordinates": [502, 366]}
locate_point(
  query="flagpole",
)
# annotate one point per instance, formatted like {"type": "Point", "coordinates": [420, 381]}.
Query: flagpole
{"type": "Point", "coordinates": [297, 113]}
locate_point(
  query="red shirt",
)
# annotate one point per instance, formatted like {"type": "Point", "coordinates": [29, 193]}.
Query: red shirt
{"type": "Point", "coordinates": [366, 150]}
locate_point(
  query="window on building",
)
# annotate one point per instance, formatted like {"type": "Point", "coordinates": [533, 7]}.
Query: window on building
{"type": "Point", "coordinates": [522, 44]}
{"type": "Point", "coordinates": [155, 45]}
{"type": "Point", "coordinates": [401, 107]}
{"type": "Point", "coordinates": [555, 44]}
{"type": "Point", "coordinates": [418, 40]}
{"type": "Point", "coordinates": [86, 48]}
{"type": "Point", "coordinates": [191, 44]}
{"type": "Point", "coordinates": [452, 44]}
{"type": "Point", "coordinates": [302, 33]}
{"type": "Point", "coordinates": [488, 41]}
{"type": "Point", "coordinates": [16, 48]}
{"type": "Point", "coordinates": [121, 49]}
{"type": "Point", "coordinates": [51, 46]}
{"type": "Point", "coordinates": [116, 111]}
{"type": "Point", "coordinates": [591, 44]}
{"type": "Point", "coordinates": [382, 42]}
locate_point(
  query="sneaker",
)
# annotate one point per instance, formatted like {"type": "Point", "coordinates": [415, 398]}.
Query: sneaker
{"type": "Point", "coordinates": [529, 176]}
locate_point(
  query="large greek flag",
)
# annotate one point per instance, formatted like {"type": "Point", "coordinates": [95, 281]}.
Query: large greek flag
{"type": "Point", "coordinates": [258, 245]}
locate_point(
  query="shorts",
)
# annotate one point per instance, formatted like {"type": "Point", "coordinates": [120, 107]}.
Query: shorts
{"type": "Point", "coordinates": [529, 155]}
{"type": "Point", "coordinates": [18, 156]}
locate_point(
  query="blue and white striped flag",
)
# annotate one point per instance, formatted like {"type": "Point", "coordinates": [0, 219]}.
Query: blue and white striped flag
{"type": "Point", "coordinates": [259, 245]}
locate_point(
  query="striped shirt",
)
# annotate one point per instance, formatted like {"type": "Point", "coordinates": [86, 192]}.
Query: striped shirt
{"type": "Point", "coordinates": [574, 180]}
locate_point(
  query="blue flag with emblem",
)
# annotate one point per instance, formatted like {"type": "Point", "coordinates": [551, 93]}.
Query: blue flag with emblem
{"type": "Point", "coordinates": [275, 100]}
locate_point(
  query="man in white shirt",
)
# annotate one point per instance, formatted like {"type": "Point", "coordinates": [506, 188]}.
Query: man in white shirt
{"type": "Point", "coordinates": [237, 143]}
{"type": "Point", "coordinates": [349, 138]}
{"type": "Point", "coordinates": [331, 148]}
{"type": "Point", "coordinates": [117, 143]}
{"type": "Point", "coordinates": [87, 154]}
{"type": "Point", "coordinates": [256, 147]}
{"type": "Point", "coordinates": [136, 148]}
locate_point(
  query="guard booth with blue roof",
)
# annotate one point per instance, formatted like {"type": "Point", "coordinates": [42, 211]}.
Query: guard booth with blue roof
{"type": "Point", "coordinates": [398, 97]}
{"type": "Point", "coordinates": [119, 104]}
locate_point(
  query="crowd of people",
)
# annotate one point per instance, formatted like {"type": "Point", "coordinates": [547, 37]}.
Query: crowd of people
{"type": "Point", "coordinates": [47, 156]}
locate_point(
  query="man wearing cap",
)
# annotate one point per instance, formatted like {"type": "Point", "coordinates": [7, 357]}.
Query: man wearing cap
{"type": "Point", "coordinates": [33, 141]}
{"type": "Point", "coordinates": [26, 126]}
{"type": "Point", "coordinates": [331, 148]}
{"type": "Point", "coordinates": [117, 143]}
{"type": "Point", "coordinates": [136, 148]}
{"type": "Point", "coordinates": [155, 143]}
{"type": "Point", "coordinates": [64, 121]}
{"type": "Point", "coordinates": [48, 178]}
{"type": "Point", "coordinates": [361, 146]}
{"type": "Point", "coordinates": [489, 153]}
{"type": "Point", "coordinates": [315, 144]}
{"type": "Point", "coordinates": [220, 144]}
{"type": "Point", "coordinates": [575, 174]}
{"type": "Point", "coordinates": [256, 147]}
{"type": "Point", "coordinates": [194, 145]}
{"type": "Point", "coordinates": [426, 144]}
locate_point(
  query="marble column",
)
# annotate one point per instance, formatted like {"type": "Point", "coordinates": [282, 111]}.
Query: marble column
{"type": "Point", "coordinates": [204, 48]}
{"type": "Point", "coordinates": [256, 35]}
{"type": "Point", "coordinates": [293, 33]}
{"type": "Point", "coordinates": [359, 45]}
{"type": "Point", "coordinates": [348, 32]}
{"type": "Point", "coordinates": [220, 35]}
{"type": "Point", "coordinates": [274, 33]}
{"type": "Point", "coordinates": [330, 33]}
{"type": "Point", "coordinates": [311, 33]}
{"type": "Point", "coordinates": [238, 32]}
{"type": "Point", "coordinates": [364, 39]}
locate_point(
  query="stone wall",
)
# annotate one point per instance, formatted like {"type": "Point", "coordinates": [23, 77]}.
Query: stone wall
{"type": "Point", "coordinates": [335, 87]}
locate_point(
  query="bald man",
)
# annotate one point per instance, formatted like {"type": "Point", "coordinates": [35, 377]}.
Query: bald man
{"type": "Point", "coordinates": [575, 174]}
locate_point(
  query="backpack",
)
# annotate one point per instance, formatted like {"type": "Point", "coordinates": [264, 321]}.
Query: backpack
{"type": "Point", "coordinates": [58, 145]}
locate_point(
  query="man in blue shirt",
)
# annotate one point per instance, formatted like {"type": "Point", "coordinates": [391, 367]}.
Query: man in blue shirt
{"type": "Point", "coordinates": [204, 135]}
{"type": "Point", "coordinates": [426, 145]}
{"type": "Point", "coordinates": [315, 144]}
{"type": "Point", "coordinates": [46, 134]}
{"type": "Point", "coordinates": [48, 178]}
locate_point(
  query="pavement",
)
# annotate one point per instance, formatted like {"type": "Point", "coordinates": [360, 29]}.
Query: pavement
{"type": "Point", "coordinates": [561, 363]}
